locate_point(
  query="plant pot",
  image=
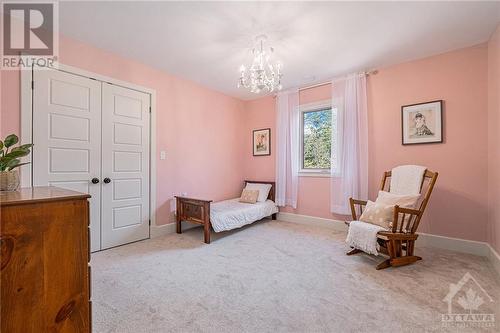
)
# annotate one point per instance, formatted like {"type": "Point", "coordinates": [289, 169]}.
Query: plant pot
{"type": "Point", "coordinates": [9, 180]}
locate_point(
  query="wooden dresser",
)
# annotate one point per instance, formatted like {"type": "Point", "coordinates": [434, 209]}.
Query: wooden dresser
{"type": "Point", "coordinates": [45, 272]}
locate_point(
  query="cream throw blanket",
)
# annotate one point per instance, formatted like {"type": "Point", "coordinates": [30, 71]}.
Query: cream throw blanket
{"type": "Point", "coordinates": [407, 179]}
{"type": "Point", "coordinates": [363, 236]}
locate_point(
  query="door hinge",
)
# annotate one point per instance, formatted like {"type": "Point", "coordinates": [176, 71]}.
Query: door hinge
{"type": "Point", "coordinates": [32, 85]}
{"type": "Point", "coordinates": [149, 222]}
{"type": "Point", "coordinates": [149, 109]}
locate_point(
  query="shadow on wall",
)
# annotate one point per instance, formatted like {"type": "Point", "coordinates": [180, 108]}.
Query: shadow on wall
{"type": "Point", "coordinates": [164, 214]}
{"type": "Point", "coordinates": [450, 213]}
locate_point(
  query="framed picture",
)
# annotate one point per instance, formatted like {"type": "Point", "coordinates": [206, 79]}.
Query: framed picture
{"type": "Point", "coordinates": [422, 123]}
{"type": "Point", "coordinates": [262, 142]}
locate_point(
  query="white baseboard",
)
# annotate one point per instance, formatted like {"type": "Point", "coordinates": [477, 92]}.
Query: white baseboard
{"type": "Point", "coordinates": [425, 240]}
{"type": "Point", "coordinates": [161, 230]}
{"type": "Point", "coordinates": [494, 259]}
{"type": "Point", "coordinates": [169, 228]}
{"type": "Point", "coordinates": [454, 244]}
{"type": "Point", "coordinates": [164, 229]}
{"type": "Point", "coordinates": [312, 220]}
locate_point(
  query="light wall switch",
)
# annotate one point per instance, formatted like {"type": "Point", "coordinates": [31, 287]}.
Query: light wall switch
{"type": "Point", "coordinates": [163, 155]}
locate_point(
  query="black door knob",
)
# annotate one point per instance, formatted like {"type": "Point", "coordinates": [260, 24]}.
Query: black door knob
{"type": "Point", "coordinates": [107, 180]}
{"type": "Point", "coordinates": [95, 180]}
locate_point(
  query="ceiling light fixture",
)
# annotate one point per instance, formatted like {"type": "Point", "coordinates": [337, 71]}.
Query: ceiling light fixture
{"type": "Point", "coordinates": [262, 74]}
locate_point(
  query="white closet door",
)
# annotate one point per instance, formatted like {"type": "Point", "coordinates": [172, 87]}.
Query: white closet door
{"type": "Point", "coordinates": [67, 137]}
{"type": "Point", "coordinates": [125, 165]}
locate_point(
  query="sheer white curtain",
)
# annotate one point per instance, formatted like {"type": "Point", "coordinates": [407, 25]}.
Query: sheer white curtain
{"type": "Point", "coordinates": [350, 159]}
{"type": "Point", "coordinates": [287, 146]}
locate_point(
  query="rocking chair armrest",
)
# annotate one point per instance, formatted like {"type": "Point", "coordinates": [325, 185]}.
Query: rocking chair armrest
{"type": "Point", "coordinates": [353, 203]}
{"type": "Point", "coordinates": [398, 235]}
{"type": "Point", "coordinates": [358, 202]}
{"type": "Point", "coordinates": [404, 210]}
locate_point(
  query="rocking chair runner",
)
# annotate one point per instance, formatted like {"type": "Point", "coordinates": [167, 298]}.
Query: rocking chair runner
{"type": "Point", "coordinates": [399, 243]}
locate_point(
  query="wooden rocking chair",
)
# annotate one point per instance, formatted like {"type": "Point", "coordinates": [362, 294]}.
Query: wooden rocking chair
{"type": "Point", "coordinates": [399, 243]}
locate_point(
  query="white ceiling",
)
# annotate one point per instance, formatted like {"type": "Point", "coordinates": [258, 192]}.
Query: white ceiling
{"type": "Point", "coordinates": [207, 41]}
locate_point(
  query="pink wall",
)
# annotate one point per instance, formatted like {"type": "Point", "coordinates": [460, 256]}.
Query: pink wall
{"type": "Point", "coordinates": [207, 135]}
{"type": "Point", "coordinates": [458, 207]}
{"type": "Point", "coordinates": [459, 203]}
{"type": "Point", "coordinates": [9, 99]}
{"type": "Point", "coordinates": [494, 139]}
{"type": "Point", "coordinates": [259, 113]}
{"type": "Point", "coordinates": [197, 127]}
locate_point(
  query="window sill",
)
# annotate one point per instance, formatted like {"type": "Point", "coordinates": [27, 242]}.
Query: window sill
{"type": "Point", "coordinates": [314, 174]}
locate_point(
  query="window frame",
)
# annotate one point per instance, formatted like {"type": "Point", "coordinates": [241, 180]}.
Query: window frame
{"type": "Point", "coordinates": [305, 108]}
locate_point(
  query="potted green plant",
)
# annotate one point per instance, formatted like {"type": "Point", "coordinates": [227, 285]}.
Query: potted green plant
{"type": "Point", "coordinates": [10, 161]}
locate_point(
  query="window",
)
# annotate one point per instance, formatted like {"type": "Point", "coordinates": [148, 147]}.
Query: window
{"type": "Point", "coordinates": [316, 139]}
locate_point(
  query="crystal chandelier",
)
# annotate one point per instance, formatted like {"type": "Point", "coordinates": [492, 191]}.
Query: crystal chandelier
{"type": "Point", "coordinates": [262, 74]}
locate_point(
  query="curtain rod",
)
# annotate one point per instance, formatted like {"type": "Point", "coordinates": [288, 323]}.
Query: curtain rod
{"type": "Point", "coordinates": [373, 72]}
{"type": "Point", "coordinates": [368, 73]}
{"type": "Point", "coordinates": [315, 85]}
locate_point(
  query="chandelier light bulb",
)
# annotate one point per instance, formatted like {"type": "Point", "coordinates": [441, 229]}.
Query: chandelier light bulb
{"type": "Point", "coordinates": [262, 75]}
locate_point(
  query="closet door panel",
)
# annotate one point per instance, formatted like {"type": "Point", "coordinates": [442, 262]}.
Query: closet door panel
{"type": "Point", "coordinates": [125, 162]}
{"type": "Point", "coordinates": [67, 137]}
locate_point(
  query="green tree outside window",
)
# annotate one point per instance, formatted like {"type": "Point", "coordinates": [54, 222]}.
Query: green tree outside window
{"type": "Point", "coordinates": [317, 144]}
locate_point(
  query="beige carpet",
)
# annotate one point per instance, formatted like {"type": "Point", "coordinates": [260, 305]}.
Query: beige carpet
{"type": "Point", "coordinates": [275, 276]}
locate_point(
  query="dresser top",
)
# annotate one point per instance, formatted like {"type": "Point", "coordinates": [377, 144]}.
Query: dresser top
{"type": "Point", "coordinates": [39, 194]}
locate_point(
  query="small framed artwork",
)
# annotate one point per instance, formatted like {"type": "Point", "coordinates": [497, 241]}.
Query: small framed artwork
{"type": "Point", "coordinates": [422, 123]}
{"type": "Point", "coordinates": [262, 142]}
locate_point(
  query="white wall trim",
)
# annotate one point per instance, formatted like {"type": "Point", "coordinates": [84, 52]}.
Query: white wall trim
{"type": "Point", "coordinates": [308, 220]}
{"type": "Point", "coordinates": [26, 123]}
{"type": "Point", "coordinates": [494, 259]}
{"type": "Point", "coordinates": [425, 240]}
{"type": "Point", "coordinates": [454, 244]}
{"type": "Point", "coordinates": [152, 161]}
{"type": "Point", "coordinates": [162, 230]}
{"type": "Point", "coordinates": [99, 77]}
{"type": "Point", "coordinates": [170, 228]}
